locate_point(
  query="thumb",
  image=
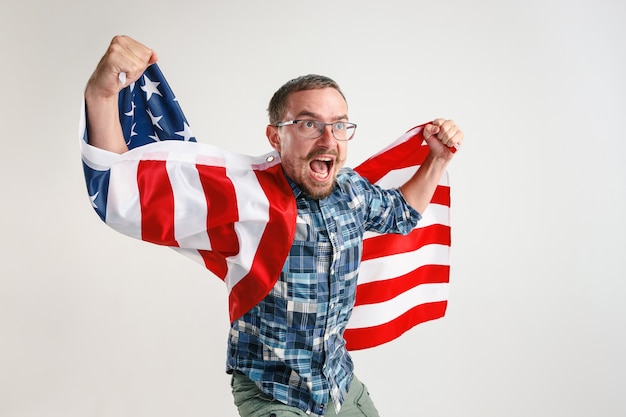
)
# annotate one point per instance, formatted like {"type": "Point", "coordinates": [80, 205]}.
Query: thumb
{"type": "Point", "coordinates": [430, 130]}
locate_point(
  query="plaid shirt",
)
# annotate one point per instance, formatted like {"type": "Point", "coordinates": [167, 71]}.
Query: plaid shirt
{"type": "Point", "coordinates": [291, 344]}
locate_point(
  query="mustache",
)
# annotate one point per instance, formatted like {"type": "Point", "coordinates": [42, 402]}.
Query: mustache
{"type": "Point", "coordinates": [317, 152]}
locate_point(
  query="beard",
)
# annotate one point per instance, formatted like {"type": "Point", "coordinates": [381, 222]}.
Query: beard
{"type": "Point", "coordinates": [317, 192]}
{"type": "Point", "coordinates": [300, 173]}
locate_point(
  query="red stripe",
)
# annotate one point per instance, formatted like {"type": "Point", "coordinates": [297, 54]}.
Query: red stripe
{"type": "Point", "coordinates": [222, 209]}
{"type": "Point", "coordinates": [385, 290]}
{"type": "Point", "coordinates": [407, 154]}
{"type": "Point", "coordinates": [222, 213]}
{"type": "Point", "coordinates": [156, 199]}
{"type": "Point", "coordinates": [274, 245]}
{"type": "Point", "coordinates": [391, 244]}
{"type": "Point", "coordinates": [441, 195]}
{"type": "Point", "coordinates": [373, 336]}
{"type": "Point", "coordinates": [214, 262]}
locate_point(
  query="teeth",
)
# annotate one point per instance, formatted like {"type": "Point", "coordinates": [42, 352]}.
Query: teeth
{"type": "Point", "coordinates": [328, 161]}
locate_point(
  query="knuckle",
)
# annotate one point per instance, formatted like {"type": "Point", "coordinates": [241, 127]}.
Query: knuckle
{"type": "Point", "coordinates": [118, 40]}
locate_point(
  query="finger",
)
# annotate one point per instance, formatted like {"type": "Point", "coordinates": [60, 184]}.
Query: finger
{"type": "Point", "coordinates": [430, 130]}
{"type": "Point", "coordinates": [439, 121]}
{"type": "Point", "coordinates": [449, 138]}
{"type": "Point", "coordinates": [456, 139]}
{"type": "Point", "coordinates": [448, 132]}
{"type": "Point", "coordinates": [445, 126]}
{"type": "Point", "coordinates": [153, 58]}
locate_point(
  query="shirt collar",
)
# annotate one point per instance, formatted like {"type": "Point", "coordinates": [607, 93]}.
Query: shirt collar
{"type": "Point", "coordinates": [297, 192]}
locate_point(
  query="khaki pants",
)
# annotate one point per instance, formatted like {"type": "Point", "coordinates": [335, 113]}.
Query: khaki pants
{"type": "Point", "coordinates": [252, 402]}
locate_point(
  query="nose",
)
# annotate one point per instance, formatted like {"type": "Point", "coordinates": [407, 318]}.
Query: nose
{"type": "Point", "coordinates": [327, 135]}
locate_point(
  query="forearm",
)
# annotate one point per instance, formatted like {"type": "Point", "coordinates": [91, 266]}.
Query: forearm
{"type": "Point", "coordinates": [419, 190]}
{"type": "Point", "coordinates": [103, 125]}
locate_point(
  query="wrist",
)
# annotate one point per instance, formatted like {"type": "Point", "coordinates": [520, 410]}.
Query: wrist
{"type": "Point", "coordinates": [437, 161]}
{"type": "Point", "coordinates": [94, 96]}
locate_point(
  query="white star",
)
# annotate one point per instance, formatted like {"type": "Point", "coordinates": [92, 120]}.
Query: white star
{"type": "Point", "coordinates": [93, 199]}
{"type": "Point", "coordinates": [132, 133]}
{"type": "Point", "coordinates": [131, 113]}
{"type": "Point", "coordinates": [155, 119]}
{"type": "Point", "coordinates": [150, 87]}
{"type": "Point", "coordinates": [156, 137]}
{"type": "Point", "coordinates": [186, 132]}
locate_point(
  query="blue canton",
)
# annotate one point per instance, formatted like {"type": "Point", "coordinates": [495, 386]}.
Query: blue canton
{"type": "Point", "coordinates": [291, 344]}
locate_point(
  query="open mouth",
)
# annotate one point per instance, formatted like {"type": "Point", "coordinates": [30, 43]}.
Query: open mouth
{"type": "Point", "coordinates": [321, 167]}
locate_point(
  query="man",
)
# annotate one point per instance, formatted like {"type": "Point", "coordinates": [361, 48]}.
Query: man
{"type": "Point", "coordinates": [287, 354]}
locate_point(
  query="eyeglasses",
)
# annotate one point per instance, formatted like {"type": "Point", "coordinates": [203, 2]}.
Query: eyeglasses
{"type": "Point", "coordinates": [313, 129]}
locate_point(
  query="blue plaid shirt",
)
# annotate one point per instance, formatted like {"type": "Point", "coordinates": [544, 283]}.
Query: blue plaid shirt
{"type": "Point", "coordinates": [291, 344]}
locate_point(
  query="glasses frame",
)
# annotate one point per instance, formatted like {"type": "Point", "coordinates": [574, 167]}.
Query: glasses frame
{"type": "Point", "coordinates": [321, 126]}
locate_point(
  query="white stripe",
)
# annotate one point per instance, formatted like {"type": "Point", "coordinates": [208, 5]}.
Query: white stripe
{"type": "Point", "coordinates": [191, 254]}
{"type": "Point", "coordinates": [123, 207]}
{"type": "Point", "coordinates": [96, 158]}
{"type": "Point", "coordinates": [434, 214]}
{"type": "Point", "coordinates": [396, 177]}
{"type": "Point", "coordinates": [369, 315]}
{"type": "Point", "coordinates": [253, 207]}
{"type": "Point", "coordinates": [190, 208]}
{"type": "Point", "coordinates": [392, 266]}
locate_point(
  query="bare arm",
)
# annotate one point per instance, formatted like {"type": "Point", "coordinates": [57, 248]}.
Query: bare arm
{"type": "Point", "coordinates": [441, 136]}
{"type": "Point", "coordinates": [123, 55]}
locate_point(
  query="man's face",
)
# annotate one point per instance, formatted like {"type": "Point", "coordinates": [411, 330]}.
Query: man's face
{"type": "Point", "coordinates": [312, 164]}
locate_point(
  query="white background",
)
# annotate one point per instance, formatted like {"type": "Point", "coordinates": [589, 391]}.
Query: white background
{"type": "Point", "coordinates": [93, 323]}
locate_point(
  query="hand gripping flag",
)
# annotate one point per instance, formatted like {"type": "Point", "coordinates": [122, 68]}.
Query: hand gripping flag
{"type": "Point", "coordinates": [236, 215]}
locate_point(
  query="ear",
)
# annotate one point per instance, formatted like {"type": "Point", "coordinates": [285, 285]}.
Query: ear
{"type": "Point", "coordinates": [272, 136]}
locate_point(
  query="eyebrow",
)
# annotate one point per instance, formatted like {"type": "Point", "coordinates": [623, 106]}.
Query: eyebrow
{"type": "Point", "coordinates": [306, 113]}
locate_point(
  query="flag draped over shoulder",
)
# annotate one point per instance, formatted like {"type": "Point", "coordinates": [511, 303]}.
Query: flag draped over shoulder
{"type": "Point", "coordinates": [222, 209]}
{"type": "Point", "coordinates": [403, 280]}
{"type": "Point", "coordinates": [236, 214]}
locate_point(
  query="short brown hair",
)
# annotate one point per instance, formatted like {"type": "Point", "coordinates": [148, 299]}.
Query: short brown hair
{"type": "Point", "coordinates": [278, 103]}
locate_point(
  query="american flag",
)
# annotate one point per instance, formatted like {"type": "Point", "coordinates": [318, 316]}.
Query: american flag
{"type": "Point", "coordinates": [236, 215]}
{"type": "Point", "coordinates": [403, 280]}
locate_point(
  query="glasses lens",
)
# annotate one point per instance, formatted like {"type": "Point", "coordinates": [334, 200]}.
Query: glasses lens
{"type": "Point", "coordinates": [310, 129]}
{"type": "Point", "coordinates": [343, 130]}
{"type": "Point", "coordinates": [339, 130]}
